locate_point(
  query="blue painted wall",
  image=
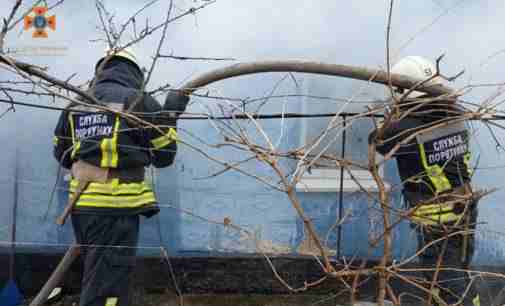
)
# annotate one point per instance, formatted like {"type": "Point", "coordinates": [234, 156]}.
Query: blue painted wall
{"type": "Point", "coordinates": [268, 214]}
{"type": "Point", "coordinates": [309, 32]}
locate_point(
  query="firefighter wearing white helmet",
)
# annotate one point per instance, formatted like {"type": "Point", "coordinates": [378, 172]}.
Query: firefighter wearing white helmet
{"type": "Point", "coordinates": [107, 156]}
{"type": "Point", "coordinates": [435, 174]}
{"type": "Point", "coordinates": [125, 53]}
{"type": "Point", "coordinates": [418, 68]}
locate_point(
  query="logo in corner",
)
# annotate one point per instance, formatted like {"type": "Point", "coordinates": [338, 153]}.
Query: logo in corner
{"type": "Point", "coordinates": [38, 20]}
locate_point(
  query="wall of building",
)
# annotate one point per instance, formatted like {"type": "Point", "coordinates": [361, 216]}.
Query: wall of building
{"type": "Point", "coordinates": [186, 199]}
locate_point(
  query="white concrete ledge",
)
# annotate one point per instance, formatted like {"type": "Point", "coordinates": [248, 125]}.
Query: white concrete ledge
{"type": "Point", "coordinates": [328, 180]}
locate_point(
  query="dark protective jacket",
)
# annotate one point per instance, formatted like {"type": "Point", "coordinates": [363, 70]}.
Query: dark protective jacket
{"type": "Point", "coordinates": [106, 140]}
{"type": "Point", "coordinates": [434, 161]}
{"type": "Point", "coordinates": [130, 146]}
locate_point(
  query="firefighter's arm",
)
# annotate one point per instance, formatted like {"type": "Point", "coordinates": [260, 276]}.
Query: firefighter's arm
{"type": "Point", "coordinates": [62, 141]}
{"type": "Point", "coordinates": [164, 145]}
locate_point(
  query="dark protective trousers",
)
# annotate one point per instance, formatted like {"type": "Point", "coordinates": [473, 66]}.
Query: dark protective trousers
{"type": "Point", "coordinates": [454, 253]}
{"type": "Point", "coordinates": [109, 249]}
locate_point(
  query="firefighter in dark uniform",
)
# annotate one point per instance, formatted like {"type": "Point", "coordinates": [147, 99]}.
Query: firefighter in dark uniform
{"type": "Point", "coordinates": [107, 156]}
{"type": "Point", "coordinates": [435, 174]}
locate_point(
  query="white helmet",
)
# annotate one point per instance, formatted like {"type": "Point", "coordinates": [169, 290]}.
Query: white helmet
{"type": "Point", "coordinates": [126, 53]}
{"type": "Point", "coordinates": [418, 68]}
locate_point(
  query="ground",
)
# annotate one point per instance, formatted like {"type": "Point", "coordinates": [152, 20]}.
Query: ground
{"type": "Point", "coordinates": [220, 300]}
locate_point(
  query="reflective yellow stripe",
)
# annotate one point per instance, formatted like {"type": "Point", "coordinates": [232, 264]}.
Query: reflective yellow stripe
{"type": "Point", "coordinates": [114, 194]}
{"type": "Point", "coordinates": [435, 214]}
{"type": "Point", "coordinates": [108, 146]}
{"type": "Point", "coordinates": [476, 301]}
{"type": "Point", "coordinates": [116, 201]}
{"type": "Point", "coordinates": [466, 160]}
{"type": "Point", "coordinates": [437, 219]}
{"type": "Point", "coordinates": [165, 140]}
{"type": "Point", "coordinates": [113, 187]}
{"type": "Point", "coordinates": [75, 143]}
{"type": "Point", "coordinates": [435, 292]}
{"type": "Point", "coordinates": [433, 209]}
{"type": "Point", "coordinates": [104, 146]}
{"type": "Point", "coordinates": [55, 140]}
{"type": "Point", "coordinates": [116, 191]}
{"type": "Point", "coordinates": [435, 173]}
{"type": "Point", "coordinates": [111, 301]}
{"type": "Point", "coordinates": [149, 195]}
{"type": "Point", "coordinates": [114, 154]}
{"type": "Point", "coordinates": [71, 120]}
{"type": "Point", "coordinates": [76, 148]}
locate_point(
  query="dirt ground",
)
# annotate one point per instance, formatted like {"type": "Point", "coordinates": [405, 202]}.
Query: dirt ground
{"type": "Point", "coordinates": [217, 300]}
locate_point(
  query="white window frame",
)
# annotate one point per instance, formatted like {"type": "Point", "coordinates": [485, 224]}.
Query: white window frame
{"type": "Point", "coordinates": [328, 179]}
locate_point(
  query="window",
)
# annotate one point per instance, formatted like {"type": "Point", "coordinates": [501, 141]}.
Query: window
{"type": "Point", "coordinates": [331, 95]}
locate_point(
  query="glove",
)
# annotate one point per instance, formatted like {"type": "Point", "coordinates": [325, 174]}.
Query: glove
{"type": "Point", "coordinates": [176, 101]}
